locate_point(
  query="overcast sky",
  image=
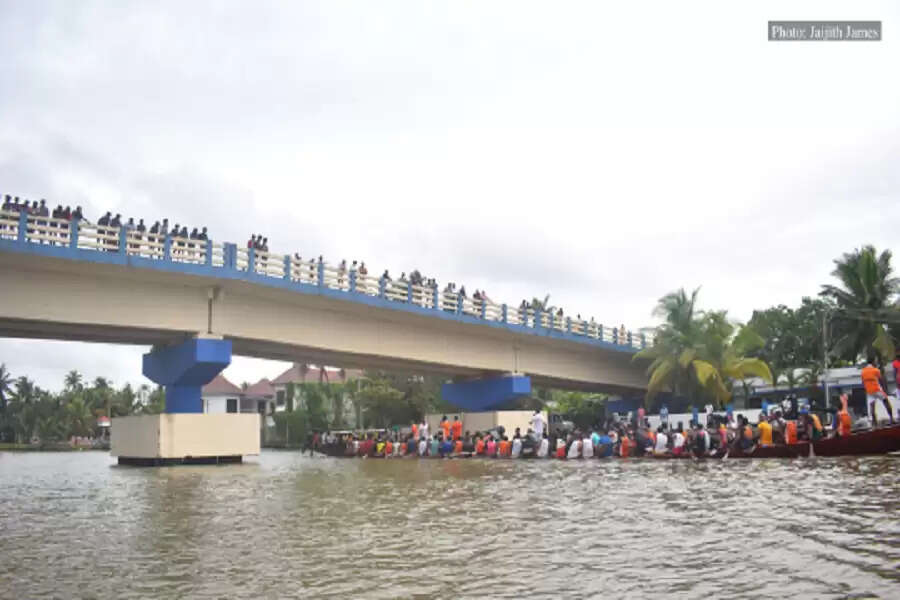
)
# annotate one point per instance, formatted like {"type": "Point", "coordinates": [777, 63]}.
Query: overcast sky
{"type": "Point", "coordinates": [605, 153]}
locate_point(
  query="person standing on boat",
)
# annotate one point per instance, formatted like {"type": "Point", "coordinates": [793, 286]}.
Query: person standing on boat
{"type": "Point", "coordinates": [457, 428]}
{"type": "Point", "coordinates": [445, 427]}
{"type": "Point", "coordinates": [871, 378]}
{"type": "Point", "coordinates": [423, 429]}
{"type": "Point", "coordinates": [537, 423]}
{"type": "Point", "coordinates": [664, 416]}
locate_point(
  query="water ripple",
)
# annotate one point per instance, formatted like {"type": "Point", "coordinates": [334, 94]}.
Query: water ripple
{"type": "Point", "coordinates": [286, 526]}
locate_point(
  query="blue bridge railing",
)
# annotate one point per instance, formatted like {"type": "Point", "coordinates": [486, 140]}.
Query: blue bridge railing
{"type": "Point", "coordinates": [80, 235]}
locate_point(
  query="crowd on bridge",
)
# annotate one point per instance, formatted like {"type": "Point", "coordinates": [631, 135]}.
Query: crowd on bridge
{"type": "Point", "coordinates": [183, 240]}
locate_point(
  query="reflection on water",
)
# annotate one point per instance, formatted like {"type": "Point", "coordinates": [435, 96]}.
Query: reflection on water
{"type": "Point", "coordinates": [75, 525]}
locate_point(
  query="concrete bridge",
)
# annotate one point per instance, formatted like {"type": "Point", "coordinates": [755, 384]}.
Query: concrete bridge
{"type": "Point", "coordinates": [73, 280]}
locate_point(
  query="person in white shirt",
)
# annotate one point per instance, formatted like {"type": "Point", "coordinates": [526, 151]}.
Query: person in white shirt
{"type": "Point", "coordinates": [423, 430]}
{"type": "Point", "coordinates": [677, 443]}
{"type": "Point", "coordinates": [537, 424]}
{"type": "Point", "coordinates": [662, 442]}
{"type": "Point", "coordinates": [575, 449]}
{"type": "Point", "coordinates": [423, 446]}
{"type": "Point", "coordinates": [516, 451]}
{"type": "Point", "coordinates": [543, 448]}
{"type": "Point", "coordinates": [587, 447]}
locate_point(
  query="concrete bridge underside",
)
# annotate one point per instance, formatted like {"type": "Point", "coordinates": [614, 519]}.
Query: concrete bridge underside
{"type": "Point", "coordinates": [49, 298]}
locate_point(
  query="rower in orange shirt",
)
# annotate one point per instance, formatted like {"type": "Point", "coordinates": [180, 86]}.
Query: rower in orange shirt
{"type": "Point", "coordinates": [445, 425]}
{"type": "Point", "coordinates": [415, 432]}
{"type": "Point", "coordinates": [457, 428]}
{"type": "Point", "coordinates": [845, 423]}
{"type": "Point", "coordinates": [504, 448]}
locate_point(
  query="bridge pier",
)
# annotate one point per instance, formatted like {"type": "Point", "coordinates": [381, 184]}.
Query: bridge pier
{"type": "Point", "coordinates": [487, 392]}
{"type": "Point", "coordinates": [184, 434]}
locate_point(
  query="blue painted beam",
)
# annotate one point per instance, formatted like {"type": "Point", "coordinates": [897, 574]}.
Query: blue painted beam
{"type": "Point", "coordinates": [185, 368]}
{"type": "Point", "coordinates": [486, 393]}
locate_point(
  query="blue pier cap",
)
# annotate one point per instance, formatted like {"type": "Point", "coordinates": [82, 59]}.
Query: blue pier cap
{"type": "Point", "coordinates": [185, 368]}
{"type": "Point", "coordinates": [486, 393]}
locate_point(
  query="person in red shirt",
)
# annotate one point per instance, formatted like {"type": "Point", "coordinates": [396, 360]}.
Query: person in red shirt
{"type": "Point", "coordinates": [457, 428]}
{"type": "Point", "coordinates": [871, 378]}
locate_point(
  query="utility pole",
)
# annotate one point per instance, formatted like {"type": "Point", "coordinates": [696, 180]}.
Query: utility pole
{"type": "Point", "coordinates": [825, 355]}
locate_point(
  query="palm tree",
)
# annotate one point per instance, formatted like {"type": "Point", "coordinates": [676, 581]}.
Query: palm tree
{"type": "Point", "coordinates": [7, 429]}
{"type": "Point", "coordinates": [73, 381]}
{"type": "Point", "coordinates": [5, 385]}
{"type": "Point", "coordinates": [866, 304]}
{"type": "Point", "coordinates": [698, 352]}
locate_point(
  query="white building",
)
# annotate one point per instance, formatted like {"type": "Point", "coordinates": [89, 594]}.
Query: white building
{"type": "Point", "coordinates": [221, 396]}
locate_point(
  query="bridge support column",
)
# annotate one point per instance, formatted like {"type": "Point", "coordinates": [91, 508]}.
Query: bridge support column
{"type": "Point", "coordinates": [486, 393]}
{"type": "Point", "coordinates": [184, 433]}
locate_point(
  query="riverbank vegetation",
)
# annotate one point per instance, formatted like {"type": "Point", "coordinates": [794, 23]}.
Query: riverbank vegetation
{"type": "Point", "coordinates": [29, 413]}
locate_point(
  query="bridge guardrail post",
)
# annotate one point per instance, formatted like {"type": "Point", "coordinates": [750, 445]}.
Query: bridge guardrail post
{"type": "Point", "coordinates": [251, 260]}
{"type": "Point", "coordinates": [643, 341]}
{"type": "Point", "coordinates": [505, 312]}
{"type": "Point", "coordinates": [73, 233]}
{"type": "Point", "coordinates": [629, 338]}
{"type": "Point", "coordinates": [459, 304]}
{"type": "Point", "coordinates": [381, 285]}
{"type": "Point", "coordinates": [568, 324]}
{"type": "Point", "coordinates": [320, 274]}
{"type": "Point", "coordinates": [483, 309]}
{"type": "Point", "coordinates": [352, 280]}
{"type": "Point", "coordinates": [615, 336]}
{"type": "Point", "coordinates": [123, 239]}
{"type": "Point", "coordinates": [23, 226]}
{"type": "Point", "coordinates": [600, 332]}
{"type": "Point", "coordinates": [167, 248]}
{"type": "Point", "coordinates": [537, 318]}
{"type": "Point", "coordinates": [287, 267]}
{"type": "Point", "coordinates": [409, 291]}
{"type": "Point", "coordinates": [209, 253]}
{"type": "Point", "coordinates": [436, 299]}
{"type": "Point", "coordinates": [229, 255]}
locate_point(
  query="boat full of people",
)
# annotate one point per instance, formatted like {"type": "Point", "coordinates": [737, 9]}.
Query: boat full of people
{"type": "Point", "coordinates": [772, 436]}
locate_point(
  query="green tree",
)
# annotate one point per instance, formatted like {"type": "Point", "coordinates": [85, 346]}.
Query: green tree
{"type": "Point", "coordinates": [866, 304]}
{"type": "Point", "coordinates": [699, 353]}
{"type": "Point", "coordinates": [73, 381]}
{"type": "Point", "coordinates": [383, 404]}
{"type": "Point", "coordinates": [7, 427]}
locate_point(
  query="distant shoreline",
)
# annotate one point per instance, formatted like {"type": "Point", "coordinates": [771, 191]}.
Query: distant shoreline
{"type": "Point", "coordinates": [9, 447]}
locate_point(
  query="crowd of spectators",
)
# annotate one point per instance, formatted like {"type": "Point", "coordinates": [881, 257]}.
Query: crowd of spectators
{"type": "Point", "coordinates": [182, 248]}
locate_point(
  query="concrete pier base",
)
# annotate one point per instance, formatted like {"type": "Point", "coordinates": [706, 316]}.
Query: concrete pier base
{"type": "Point", "coordinates": [184, 438]}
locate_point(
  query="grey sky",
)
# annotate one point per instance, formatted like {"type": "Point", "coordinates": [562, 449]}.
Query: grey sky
{"type": "Point", "coordinates": [603, 153]}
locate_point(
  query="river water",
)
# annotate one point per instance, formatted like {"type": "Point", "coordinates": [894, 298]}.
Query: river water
{"type": "Point", "coordinates": [75, 525]}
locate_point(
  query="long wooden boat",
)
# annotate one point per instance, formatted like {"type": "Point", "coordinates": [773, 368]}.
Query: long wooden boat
{"type": "Point", "coordinates": [883, 440]}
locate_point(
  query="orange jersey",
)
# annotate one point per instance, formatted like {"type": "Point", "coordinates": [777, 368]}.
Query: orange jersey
{"type": "Point", "coordinates": [445, 425]}
{"type": "Point", "coordinates": [415, 431]}
{"type": "Point", "coordinates": [871, 378]}
{"type": "Point", "coordinates": [845, 423]}
{"type": "Point", "coordinates": [625, 447]}
{"type": "Point", "coordinates": [457, 430]}
{"type": "Point", "coordinates": [790, 432]}
{"type": "Point", "coordinates": [457, 447]}
{"type": "Point", "coordinates": [388, 448]}
{"type": "Point", "coordinates": [479, 447]}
